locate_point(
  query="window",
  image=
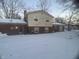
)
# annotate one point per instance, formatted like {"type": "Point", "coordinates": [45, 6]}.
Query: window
{"type": "Point", "coordinates": [11, 28]}
{"type": "Point", "coordinates": [16, 27]}
{"type": "Point", "coordinates": [47, 20]}
{"type": "Point", "coordinates": [36, 19]}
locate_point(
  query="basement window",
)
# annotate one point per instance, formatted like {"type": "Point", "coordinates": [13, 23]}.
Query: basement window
{"type": "Point", "coordinates": [35, 19]}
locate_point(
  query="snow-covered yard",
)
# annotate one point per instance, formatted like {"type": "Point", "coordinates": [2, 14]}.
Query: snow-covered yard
{"type": "Point", "coordinates": [63, 45]}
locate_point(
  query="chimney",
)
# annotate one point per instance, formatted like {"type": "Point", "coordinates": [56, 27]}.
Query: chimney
{"type": "Point", "coordinates": [25, 16]}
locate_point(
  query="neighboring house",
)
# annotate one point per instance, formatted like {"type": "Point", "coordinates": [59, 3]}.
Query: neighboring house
{"type": "Point", "coordinates": [39, 22]}
{"type": "Point", "coordinates": [60, 20]}
{"type": "Point", "coordinates": [75, 25]}
{"type": "Point", "coordinates": [58, 25]}
{"type": "Point", "coordinates": [13, 26]}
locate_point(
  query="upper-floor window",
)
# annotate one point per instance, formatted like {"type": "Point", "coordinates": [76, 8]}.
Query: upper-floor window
{"type": "Point", "coordinates": [47, 20]}
{"type": "Point", "coordinates": [35, 19]}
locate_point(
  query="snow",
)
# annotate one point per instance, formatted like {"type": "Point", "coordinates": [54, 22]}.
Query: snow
{"type": "Point", "coordinates": [57, 23]}
{"type": "Point", "coordinates": [2, 35]}
{"type": "Point", "coordinates": [20, 21]}
{"type": "Point", "coordinates": [61, 45]}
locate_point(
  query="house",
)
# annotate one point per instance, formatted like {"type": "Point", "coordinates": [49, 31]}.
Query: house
{"type": "Point", "coordinates": [39, 22]}
{"type": "Point", "coordinates": [75, 25]}
{"type": "Point", "coordinates": [58, 25]}
{"type": "Point", "coordinates": [13, 26]}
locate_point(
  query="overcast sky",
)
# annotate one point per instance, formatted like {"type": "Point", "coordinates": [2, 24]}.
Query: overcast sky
{"type": "Point", "coordinates": [55, 10]}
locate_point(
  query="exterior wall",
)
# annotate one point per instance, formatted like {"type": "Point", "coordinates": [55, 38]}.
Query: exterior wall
{"type": "Point", "coordinates": [58, 28]}
{"type": "Point", "coordinates": [13, 29]}
{"type": "Point", "coordinates": [42, 17]}
{"type": "Point", "coordinates": [75, 27]}
{"type": "Point", "coordinates": [39, 29]}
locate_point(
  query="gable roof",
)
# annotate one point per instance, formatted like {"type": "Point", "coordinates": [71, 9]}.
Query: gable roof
{"type": "Point", "coordinates": [41, 11]}
{"type": "Point", "coordinates": [12, 21]}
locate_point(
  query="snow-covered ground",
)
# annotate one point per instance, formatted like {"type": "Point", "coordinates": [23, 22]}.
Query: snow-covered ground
{"type": "Point", "coordinates": [62, 45]}
{"type": "Point", "coordinates": [3, 35]}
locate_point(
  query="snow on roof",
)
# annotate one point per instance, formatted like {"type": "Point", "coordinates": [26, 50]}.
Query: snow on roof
{"type": "Point", "coordinates": [13, 21]}
{"type": "Point", "coordinates": [3, 35]}
{"type": "Point", "coordinates": [57, 23]}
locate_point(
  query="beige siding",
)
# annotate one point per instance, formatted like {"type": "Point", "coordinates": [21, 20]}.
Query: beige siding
{"type": "Point", "coordinates": [42, 17]}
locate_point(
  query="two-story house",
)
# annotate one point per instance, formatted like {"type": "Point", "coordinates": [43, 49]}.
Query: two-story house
{"type": "Point", "coordinates": [39, 22]}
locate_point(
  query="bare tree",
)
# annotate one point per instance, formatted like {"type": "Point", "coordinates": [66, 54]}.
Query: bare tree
{"type": "Point", "coordinates": [73, 7]}
{"type": "Point", "coordinates": [70, 18]}
{"type": "Point", "coordinates": [10, 7]}
{"type": "Point", "coordinates": [44, 5]}
{"type": "Point", "coordinates": [73, 4]}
